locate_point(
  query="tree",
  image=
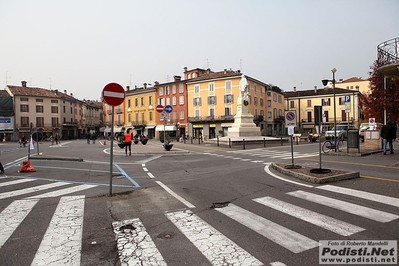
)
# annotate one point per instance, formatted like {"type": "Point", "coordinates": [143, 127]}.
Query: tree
{"type": "Point", "coordinates": [378, 98]}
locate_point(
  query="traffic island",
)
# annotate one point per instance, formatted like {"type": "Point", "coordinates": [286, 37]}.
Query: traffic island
{"type": "Point", "coordinates": [305, 174]}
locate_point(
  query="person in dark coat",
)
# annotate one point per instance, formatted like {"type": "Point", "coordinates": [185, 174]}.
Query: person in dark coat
{"type": "Point", "coordinates": [388, 134]}
{"type": "Point", "coordinates": [1, 169]}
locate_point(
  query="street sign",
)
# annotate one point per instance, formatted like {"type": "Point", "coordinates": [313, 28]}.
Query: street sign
{"type": "Point", "coordinates": [164, 115]}
{"type": "Point", "coordinates": [168, 108]}
{"type": "Point", "coordinates": [347, 98]}
{"type": "Point", "coordinates": [371, 121]}
{"type": "Point", "coordinates": [290, 119]}
{"type": "Point", "coordinates": [113, 94]}
{"type": "Point", "coordinates": [159, 108]}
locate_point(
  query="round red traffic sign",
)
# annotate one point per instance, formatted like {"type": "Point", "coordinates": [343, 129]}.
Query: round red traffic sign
{"type": "Point", "coordinates": [160, 108]}
{"type": "Point", "coordinates": [113, 94]}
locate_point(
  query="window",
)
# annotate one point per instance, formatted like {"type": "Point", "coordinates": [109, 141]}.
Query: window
{"type": "Point", "coordinates": [167, 101]}
{"type": "Point", "coordinates": [166, 90]}
{"type": "Point", "coordinates": [211, 87]}
{"type": "Point", "coordinates": [197, 101]}
{"type": "Point", "coordinates": [212, 112]}
{"type": "Point", "coordinates": [309, 103]}
{"type": "Point", "coordinates": [39, 100]}
{"type": "Point", "coordinates": [181, 114]}
{"type": "Point", "coordinates": [255, 88]}
{"type": "Point", "coordinates": [54, 109]}
{"type": "Point", "coordinates": [269, 93]}
{"type": "Point", "coordinates": [181, 100]}
{"type": "Point", "coordinates": [269, 114]}
{"type": "Point", "coordinates": [274, 97]}
{"type": "Point", "coordinates": [128, 103]}
{"type": "Point", "coordinates": [150, 100]}
{"type": "Point", "coordinates": [160, 91]}
{"type": "Point", "coordinates": [24, 108]}
{"type": "Point", "coordinates": [63, 109]}
{"type": "Point", "coordinates": [54, 101]}
{"type": "Point", "coordinates": [228, 85]}
{"type": "Point", "coordinates": [262, 113]}
{"type": "Point", "coordinates": [275, 113]}
{"type": "Point", "coordinates": [24, 99]}
{"type": "Point", "coordinates": [129, 117]}
{"type": "Point", "coordinates": [261, 102]}
{"type": "Point", "coordinates": [150, 116]}
{"type": "Point", "coordinates": [181, 88]}
{"type": "Point", "coordinates": [174, 89]}
{"type": "Point", "coordinates": [326, 102]}
{"type": "Point", "coordinates": [269, 103]}
{"type": "Point", "coordinates": [54, 122]}
{"type": "Point", "coordinates": [280, 112]}
{"type": "Point", "coordinates": [197, 113]}
{"type": "Point", "coordinates": [71, 110]}
{"type": "Point", "coordinates": [309, 116]}
{"type": "Point", "coordinates": [211, 100]}
{"type": "Point", "coordinates": [227, 111]}
{"type": "Point", "coordinates": [142, 101]}
{"type": "Point", "coordinates": [256, 100]}
{"type": "Point", "coordinates": [292, 104]}
{"type": "Point", "coordinates": [196, 89]}
{"type": "Point", "coordinates": [39, 121]}
{"type": "Point", "coordinates": [142, 117]}
{"type": "Point", "coordinates": [174, 100]}
{"type": "Point", "coordinates": [229, 98]}
{"type": "Point", "coordinates": [326, 116]}
{"type": "Point", "coordinates": [136, 102]}
{"type": "Point", "coordinates": [280, 99]}
{"type": "Point", "coordinates": [24, 121]}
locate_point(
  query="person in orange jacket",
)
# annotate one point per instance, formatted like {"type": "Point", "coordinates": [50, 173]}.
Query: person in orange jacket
{"type": "Point", "coordinates": [128, 142]}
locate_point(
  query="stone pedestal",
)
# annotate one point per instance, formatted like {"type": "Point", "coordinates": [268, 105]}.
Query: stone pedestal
{"type": "Point", "coordinates": [243, 125]}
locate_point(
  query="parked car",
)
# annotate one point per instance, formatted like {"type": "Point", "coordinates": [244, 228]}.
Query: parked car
{"type": "Point", "coordinates": [365, 126]}
{"type": "Point", "coordinates": [341, 131]}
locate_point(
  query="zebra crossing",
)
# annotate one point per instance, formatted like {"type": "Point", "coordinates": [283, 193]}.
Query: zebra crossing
{"type": "Point", "coordinates": [136, 245]}
{"type": "Point", "coordinates": [263, 153]}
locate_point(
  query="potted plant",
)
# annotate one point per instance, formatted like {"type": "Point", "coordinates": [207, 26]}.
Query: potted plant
{"type": "Point", "coordinates": [161, 136]}
{"type": "Point", "coordinates": [121, 142]}
{"type": "Point", "coordinates": [135, 140]}
{"type": "Point", "coordinates": [168, 142]}
{"type": "Point", "coordinates": [143, 140]}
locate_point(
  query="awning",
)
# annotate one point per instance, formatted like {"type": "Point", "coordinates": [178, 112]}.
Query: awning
{"type": "Point", "coordinates": [150, 127]}
{"type": "Point", "coordinates": [227, 124]}
{"type": "Point", "coordinates": [166, 128]}
{"type": "Point", "coordinates": [116, 129]}
{"type": "Point", "coordinates": [307, 126]}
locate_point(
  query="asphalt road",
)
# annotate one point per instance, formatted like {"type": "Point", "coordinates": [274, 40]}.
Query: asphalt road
{"type": "Point", "coordinates": [199, 204]}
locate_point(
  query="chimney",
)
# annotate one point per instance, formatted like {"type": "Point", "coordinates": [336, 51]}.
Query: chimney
{"type": "Point", "coordinates": [127, 88]}
{"type": "Point", "coordinates": [23, 83]}
{"type": "Point", "coordinates": [145, 85]}
{"type": "Point", "coordinates": [294, 88]}
{"type": "Point", "coordinates": [65, 91]}
{"type": "Point", "coordinates": [177, 78]}
{"type": "Point", "coordinates": [315, 89]}
{"type": "Point", "coordinates": [225, 71]}
{"type": "Point", "coordinates": [185, 69]}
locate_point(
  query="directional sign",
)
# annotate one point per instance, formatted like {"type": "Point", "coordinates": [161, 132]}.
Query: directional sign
{"type": "Point", "coordinates": [290, 119]}
{"type": "Point", "coordinates": [160, 108]}
{"type": "Point", "coordinates": [113, 94]}
{"type": "Point", "coordinates": [347, 98]}
{"type": "Point", "coordinates": [168, 109]}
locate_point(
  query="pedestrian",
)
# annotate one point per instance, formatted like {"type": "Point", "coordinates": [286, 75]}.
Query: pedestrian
{"type": "Point", "coordinates": [128, 142]}
{"type": "Point", "coordinates": [24, 141]}
{"type": "Point", "coordinates": [94, 137]}
{"type": "Point", "coordinates": [88, 138]}
{"type": "Point", "coordinates": [57, 138]}
{"type": "Point", "coordinates": [1, 169]}
{"type": "Point", "coordinates": [388, 133]}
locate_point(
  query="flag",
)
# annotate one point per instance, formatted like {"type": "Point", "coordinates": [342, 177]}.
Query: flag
{"type": "Point", "coordinates": [32, 147]}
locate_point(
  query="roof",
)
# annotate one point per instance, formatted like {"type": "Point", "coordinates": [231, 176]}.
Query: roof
{"type": "Point", "coordinates": [35, 92]}
{"type": "Point", "coordinates": [352, 79]}
{"type": "Point", "coordinates": [215, 75]}
{"type": "Point", "coordinates": [4, 93]}
{"type": "Point", "coordinates": [318, 92]}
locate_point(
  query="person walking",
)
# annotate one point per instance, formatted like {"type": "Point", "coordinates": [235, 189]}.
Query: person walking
{"type": "Point", "coordinates": [128, 142]}
{"type": "Point", "coordinates": [388, 133]}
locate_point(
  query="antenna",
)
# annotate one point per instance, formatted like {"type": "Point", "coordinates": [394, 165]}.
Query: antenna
{"type": "Point", "coordinates": [50, 83]}
{"type": "Point", "coordinates": [240, 65]}
{"type": "Point", "coordinates": [7, 77]}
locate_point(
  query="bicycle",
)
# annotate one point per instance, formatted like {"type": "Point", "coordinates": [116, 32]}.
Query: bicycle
{"type": "Point", "coordinates": [329, 145]}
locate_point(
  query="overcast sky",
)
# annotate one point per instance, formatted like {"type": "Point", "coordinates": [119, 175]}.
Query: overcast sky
{"type": "Point", "coordinates": [82, 45]}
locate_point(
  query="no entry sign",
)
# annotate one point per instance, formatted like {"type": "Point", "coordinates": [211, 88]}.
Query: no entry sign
{"type": "Point", "coordinates": [160, 108]}
{"type": "Point", "coordinates": [113, 94]}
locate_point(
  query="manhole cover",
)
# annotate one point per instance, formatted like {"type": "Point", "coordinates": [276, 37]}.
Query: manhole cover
{"type": "Point", "coordinates": [166, 235]}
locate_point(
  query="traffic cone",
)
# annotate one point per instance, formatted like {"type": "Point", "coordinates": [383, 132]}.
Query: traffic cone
{"type": "Point", "coordinates": [105, 142]}
{"type": "Point", "coordinates": [26, 167]}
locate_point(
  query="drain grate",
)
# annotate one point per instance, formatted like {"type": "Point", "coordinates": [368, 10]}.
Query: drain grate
{"type": "Point", "coordinates": [220, 205]}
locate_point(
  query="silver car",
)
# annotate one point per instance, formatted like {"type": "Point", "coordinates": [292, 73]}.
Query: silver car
{"type": "Point", "coordinates": [341, 131]}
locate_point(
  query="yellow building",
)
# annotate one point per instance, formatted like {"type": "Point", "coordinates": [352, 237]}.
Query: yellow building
{"type": "Point", "coordinates": [354, 83]}
{"type": "Point", "coordinates": [304, 101]}
{"type": "Point", "coordinates": [140, 110]}
{"type": "Point", "coordinates": [212, 104]}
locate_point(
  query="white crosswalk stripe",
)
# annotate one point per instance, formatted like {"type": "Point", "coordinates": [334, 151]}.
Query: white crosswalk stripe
{"type": "Point", "coordinates": [31, 190]}
{"type": "Point", "coordinates": [15, 182]}
{"type": "Point", "coordinates": [274, 154]}
{"type": "Point", "coordinates": [62, 243]}
{"type": "Point", "coordinates": [356, 209]}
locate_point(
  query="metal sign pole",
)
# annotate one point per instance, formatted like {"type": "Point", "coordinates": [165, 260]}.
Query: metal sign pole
{"type": "Point", "coordinates": [164, 132]}
{"type": "Point", "coordinates": [111, 158]}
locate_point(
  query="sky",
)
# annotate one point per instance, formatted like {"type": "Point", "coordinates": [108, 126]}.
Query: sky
{"type": "Point", "coordinates": [81, 46]}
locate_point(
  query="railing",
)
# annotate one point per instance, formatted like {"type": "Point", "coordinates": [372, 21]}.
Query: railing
{"type": "Point", "coordinates": [210, 118]}
{"type": "Point", "coordinates": [388, 52]}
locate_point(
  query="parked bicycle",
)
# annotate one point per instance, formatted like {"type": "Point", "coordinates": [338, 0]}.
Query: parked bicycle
{"type": "Point", "coordinates": [329, 144]}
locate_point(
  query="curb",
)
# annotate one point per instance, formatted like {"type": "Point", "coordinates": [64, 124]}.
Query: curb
{"type": "Point", "coordinates": [316, 180]}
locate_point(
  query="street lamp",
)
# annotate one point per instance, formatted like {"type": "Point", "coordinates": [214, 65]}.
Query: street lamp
{"type": "Point", "coordinates": [325, 82]}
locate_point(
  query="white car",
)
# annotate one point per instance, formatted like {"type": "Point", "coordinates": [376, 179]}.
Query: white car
{"type": "Point", "coordinates": [365, 126]}
{"type": "Point", "coordinates": [341, 131]}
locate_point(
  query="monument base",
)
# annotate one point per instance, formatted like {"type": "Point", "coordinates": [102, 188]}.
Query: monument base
{"type": "Point", "coordinates": [243, 131]}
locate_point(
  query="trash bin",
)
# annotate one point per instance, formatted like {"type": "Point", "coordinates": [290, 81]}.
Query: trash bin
{"type": "Point", "coordinates": [353, 138]}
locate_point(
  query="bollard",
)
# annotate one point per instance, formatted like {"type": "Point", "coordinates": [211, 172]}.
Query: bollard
{"type": "Point", "coordinates": [264, 142]}
{"type": "Point", "coordinates": [243, 144]}
{"type": "Point", "coordinates": [229, 143]}
{"type": "Point", "coordinates": [281, 141]}
{"type": "Point", "coordinates": [217, 141]}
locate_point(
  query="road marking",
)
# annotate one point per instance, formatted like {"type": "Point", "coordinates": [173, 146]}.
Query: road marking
{"type": "Point", "coordinates": [362, 194]}
{"type": "Point", "coordinates": [185, 202]}
{"type": "Point", "coordinates": [31, 190]}
{"type": "Point", "coordinates": [150, 175]}
{"type": "Point", "coordinates": [323, 221]}
{"type": "Point", "coordinates": [19, 181]}
{"type": "Point", "coordinates": [285, 237]}
{"type": "Point", "coordinates": [12, 216]}
{"type": "Point", "coordinates": [267, 170]}
{"type": "Point", "coordinates": [216, 247]}
{"type": "Point", "coordinates": [356, 209]}
{"type": "Point", "coordinates": [135, 245]}
{"type": "Point", "coordinates": [62, 192]}
{"type": "Point", "coordinates": [62, 242]}
{"type": "Point", "coordinates": [380, 178]}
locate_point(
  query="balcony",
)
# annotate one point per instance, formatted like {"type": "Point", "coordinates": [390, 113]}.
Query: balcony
{"type": "Point", "coordinates": [388, 58]}
{"type": "Point", "coordinates": [214, 118]}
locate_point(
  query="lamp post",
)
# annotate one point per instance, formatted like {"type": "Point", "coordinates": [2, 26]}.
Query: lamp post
{"type": "Point", "coordinates": [325, 82]}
